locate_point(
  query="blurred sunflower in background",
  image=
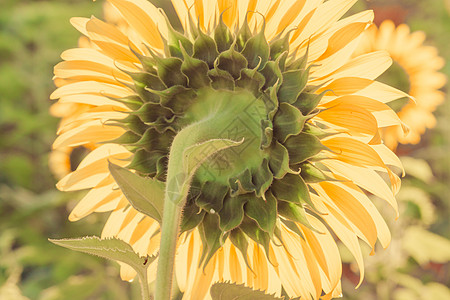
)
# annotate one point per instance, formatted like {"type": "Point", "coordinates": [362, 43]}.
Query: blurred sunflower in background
{"type": "Point", "coordinates": [415, 71]}
{"type": "Point", "coordinates": [284, 79]}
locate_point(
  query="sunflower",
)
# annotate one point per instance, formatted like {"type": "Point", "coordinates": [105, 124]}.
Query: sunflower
{"type": "Point", "coordinates": [418, 64]}
{"type": "Point", "coordinates": [277, 75]}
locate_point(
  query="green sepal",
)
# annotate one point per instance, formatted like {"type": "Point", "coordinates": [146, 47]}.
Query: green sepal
{"type": "Point", "coordinates": [128, 138]}
{"type": "Point", "coordinates": [242, 183]}
{"type": "Point", "coordinates": [256, 50]}
{"type": "Point", "coordinates": [272, 74]}
{"type": "Point", "coordinates": [151, 112]}
{"type": "Point", "coordinates": [141, 82]}
{"type": "Point", "coordinates": [222, 35]}
{"type": "Point", "coordinates": [273, 101]}
{"type": "Point", "coordinates": [210, 234]}
{"type": "Point", "coordinates": [294, 212]}
{"type": "Point", "coordinates": [148, 63]}
{"type": "Point", "coordinates": [316, 131]}
{"type": "Point", "coordinates": [177, 98]}
{"type": "Point", "coordinates": [292, 188]}
{"type": "Point", "coordinates": [232, 212]}
{"type": "Point", "coordinates": [132, 123]}
{"type": "Point", "coordinates": [192, 217]}
{"type": "Point", "coordinates": [293, 84]}
{"type": "Point", "coordinates": [251, 80]}
{"type": "Point", "coordinates": [279, 160]}
{"type": "Point", "coordinates": [292, 226]}
{"type": "Point", "coordinates": [279, 45]}
{"type": "Point", "coordinates": [267, 134]}
{"type": "Point", "coordinates": [161, 168]}
{"type": "Point", "coordinates": [146, 162]}
{"type": "Point", "coordinates": [227, 291]}
{"type": "Point", "coordinates": [152, 140]}
{"type": "Point", "coordinates": [264, 212]}
{"type": "Point", "coordinates": [169, 71]}
{"type": "Point", "coordinates": [175, 39]}
{"type": "Point", "coordinates": [311, 174]}
{"type": "Point", "coordinates": [253, 231]}
{"type": "Point", "coordinates": [307, 102]}
{"type": "Point", "coordinates": [146, 195]}
{"type": "Point", "coordinates": [195, 70]}
{"type": "Point", "coordinates": [243, 35]}
{"type": "Point", "coordinates": [133, 102]}
{"type": "Point", "coordinates": [221, 79]}
{"type": "Point", "coordinates": [211, 196]}
{"type": "Point", "coordinates": [288, 121]}
{"type": "Point", "coordinates": [239, 239]}
{"type": "Point", "coordinates": [299, 63]}
{"type": "Point", "coordinates": [262, 178]}
{"type": "Point", "coordinates": [152, 82]}
{"type": "Point", "coordinates": [205, 49]}
{"type": "Point", "coordinates": [232, 62]}
{"type": "Point", "coordinates": [302, 146]}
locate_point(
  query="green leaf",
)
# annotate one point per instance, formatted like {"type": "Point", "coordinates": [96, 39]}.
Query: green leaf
{"type": "Point", "coordinates": [146, 195]}
{"type": "Point", "coordinates": [192, 158]}
{"type": "Point", "coordinates": [228, 291]}
{"type": "Point", "coordinates": [113, 249]}
{"type": "Point", "coordinates": [425, 246]}
{"type": "Point", "coordinates": [418, 168]}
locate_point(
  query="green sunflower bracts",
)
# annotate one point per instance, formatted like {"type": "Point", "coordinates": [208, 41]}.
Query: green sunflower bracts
{"type": "Point", "coordinates": [235, 87]}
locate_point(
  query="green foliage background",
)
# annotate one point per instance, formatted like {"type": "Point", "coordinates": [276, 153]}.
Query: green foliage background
{"type": "Point", "coordinates": [32, 36]}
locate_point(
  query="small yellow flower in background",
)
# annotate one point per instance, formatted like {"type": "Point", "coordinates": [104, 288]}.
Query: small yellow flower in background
{"type": "Point", "coordinates": [420, 65]}
{"type": "Point", "coordinates": [283, 81]}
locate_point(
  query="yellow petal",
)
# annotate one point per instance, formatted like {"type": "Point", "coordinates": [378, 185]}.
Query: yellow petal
{"type": "Point", "coordinates": [144, 18]}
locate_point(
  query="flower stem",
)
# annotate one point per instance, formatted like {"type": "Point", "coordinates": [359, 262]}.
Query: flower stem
{"type": "Point", "coordinates": [174, 200]}
{"type": "Point", "coordinates": [169, 237]}
{"type": "Point", "coordinates": [145, 292]}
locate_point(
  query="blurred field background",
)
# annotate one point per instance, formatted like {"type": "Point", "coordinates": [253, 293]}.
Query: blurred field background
{"type": "Point", "coordinates": [32, 36]}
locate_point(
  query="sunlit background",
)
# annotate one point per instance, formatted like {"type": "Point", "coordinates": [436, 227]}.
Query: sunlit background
{"type": "Point", "coordinates": [32, 36]}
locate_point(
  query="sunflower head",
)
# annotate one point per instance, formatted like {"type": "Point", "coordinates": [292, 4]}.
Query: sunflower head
{"type": "Point", "coordinates": [229, 83]}
{"type": "Point", "coordinates": [280, 83]}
